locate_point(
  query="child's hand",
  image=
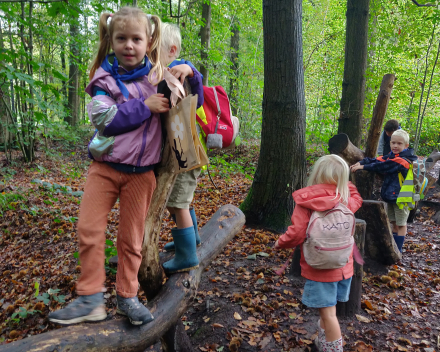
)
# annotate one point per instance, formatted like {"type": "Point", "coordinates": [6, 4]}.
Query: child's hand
{"type": "Point", "coordinates": [276, 246]}
{"type": "Point", "coordinates": [181, 72]}
{"type": "Point", "coordinates": [356, 167]}
{"type": "Point", "coordinates": [157, 103]}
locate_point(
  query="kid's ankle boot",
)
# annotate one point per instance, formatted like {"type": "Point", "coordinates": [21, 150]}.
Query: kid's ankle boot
{"type": "Point", "coordinates": [185, 258]}
{"type": "Point", "coordinates": [399, 241]}
{"type": "Point", "coordinates": [333, 346]}
{"type": "Point", "coordinates": [169, 247]}
{"type": "Point", "coordinates": [320, 339]}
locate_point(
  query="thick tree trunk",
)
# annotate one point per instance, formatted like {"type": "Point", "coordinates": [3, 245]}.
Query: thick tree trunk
{"type": "Point", "coordinates": [379, 113]}
{"type": "Point", "coordinates": [73, 97]}
{"type": "Point", "coordinates": [281, 165]}
{"type": "Point", "coordinates": [379, 241]}
{"type": "Point", "coordinates": [205, 38]}
{"type": "Point", "coordinates": [353, 85]}
{"type": "Point", "coordinates": [233, 82]}
{"type": "Point", "coordinates": [350, 308]}
{"type": "Point", "coordinates": [167, 307]}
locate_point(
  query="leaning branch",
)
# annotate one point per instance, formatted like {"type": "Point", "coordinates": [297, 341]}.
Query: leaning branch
{"type": "Point", "coordinates": [423, 5]}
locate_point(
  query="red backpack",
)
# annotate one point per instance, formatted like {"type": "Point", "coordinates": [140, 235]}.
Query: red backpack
{"type": "Point", "coordinates": [215, 118]}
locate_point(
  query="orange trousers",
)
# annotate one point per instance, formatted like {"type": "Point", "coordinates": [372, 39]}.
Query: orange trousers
{"type": "Point", "coordinates": [103, 187]}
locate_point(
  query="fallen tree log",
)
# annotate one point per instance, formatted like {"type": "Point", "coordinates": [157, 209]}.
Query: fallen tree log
{"type": "Point", "coordinates": [167, 307]}
{"type": "Point", "coordinates": [353, 305]}
{"type": "Point", "coordinates": [379, 241]}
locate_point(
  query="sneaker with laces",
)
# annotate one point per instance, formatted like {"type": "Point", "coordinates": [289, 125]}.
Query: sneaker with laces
{"type": "Point", "coordinates": [136, 312]}
{"type": "Point", "coordinates": [84, 308]}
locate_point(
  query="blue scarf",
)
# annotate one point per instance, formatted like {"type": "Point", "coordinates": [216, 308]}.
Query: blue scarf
{"type": "Point", "coordinates": [139, 71]}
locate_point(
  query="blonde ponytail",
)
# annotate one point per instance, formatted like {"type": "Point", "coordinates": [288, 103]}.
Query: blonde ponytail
{"type": "Point", "coordinates": [154, 51]}
{"type": "Point", "coordinates": [104, 44]}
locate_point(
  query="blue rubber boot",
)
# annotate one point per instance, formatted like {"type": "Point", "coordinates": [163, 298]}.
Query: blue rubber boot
{"type": "Point", "coordinates": [192, 212]}
{"type": "Point", "coordinates": [399, 241]}
{"type": "Point", "coordinates": [169, 247]}
{"type": "Point", "coordinates": [185, 258]}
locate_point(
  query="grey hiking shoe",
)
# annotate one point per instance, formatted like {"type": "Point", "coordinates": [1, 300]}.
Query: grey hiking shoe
{"type": "Point", "coordinates": [136, 312]}
{"type": "Point", "coordinates": [84, 308]}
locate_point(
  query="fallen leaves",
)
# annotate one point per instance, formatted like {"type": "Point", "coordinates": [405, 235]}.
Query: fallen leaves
{"type": "Point", "coordinates": [237, 316]}
{"type": "Point", "coordinates": [362, 319]}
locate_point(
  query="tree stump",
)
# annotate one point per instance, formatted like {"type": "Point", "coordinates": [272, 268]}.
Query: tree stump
{"type": "Point", "coordinates": [379, 241]}
{"type": "Point", "coordinates": [295, 267]}
{"type": "Point", "coordinates": [352, 306]}
{"type": "Point", "coordinates": [167, 307]}
{"type": "Point", "coordinates": [341, 145]}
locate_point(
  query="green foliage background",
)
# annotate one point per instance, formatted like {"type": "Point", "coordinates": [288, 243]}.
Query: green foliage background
{"type": "Point", "coordinates": [403, 39]}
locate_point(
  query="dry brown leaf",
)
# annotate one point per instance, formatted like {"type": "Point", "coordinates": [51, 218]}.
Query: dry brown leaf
{"type": "Point", "coordinates": [237, 316]}
{"type": "Point", "coordinates": [361, 346]}
{"type": "Point", "coordinates": [362, 319]}
{"type": "Point", "coordinates": [215, 325]}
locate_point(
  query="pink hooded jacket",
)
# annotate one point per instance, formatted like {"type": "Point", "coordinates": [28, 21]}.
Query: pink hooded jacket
{"type": "Point", "coordinates": [318, 197]}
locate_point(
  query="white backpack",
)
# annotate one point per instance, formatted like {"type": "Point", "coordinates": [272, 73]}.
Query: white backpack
{"type": "Point", "coordinates": [329, 242]}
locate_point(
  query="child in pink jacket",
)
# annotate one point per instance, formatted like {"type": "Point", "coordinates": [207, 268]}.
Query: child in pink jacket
{"type": "Point", "coordinates": [327, 186]}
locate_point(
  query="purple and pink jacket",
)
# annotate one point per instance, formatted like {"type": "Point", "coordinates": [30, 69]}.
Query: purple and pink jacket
{"type": "Point", "coordinates": [127, 131]}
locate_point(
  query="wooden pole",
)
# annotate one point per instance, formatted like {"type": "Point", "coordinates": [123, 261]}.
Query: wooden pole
{"type": "Point", "coordinates": [341, 145]}
{"type": "Point", "coordinates": [353, 305]}
{"type": "Point", "coordinates": [379, 113]}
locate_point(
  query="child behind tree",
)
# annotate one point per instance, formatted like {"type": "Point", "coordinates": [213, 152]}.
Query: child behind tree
{"type": "Point", "coordinates": [328, 185]}
{"type": "Point", "coordinates": [185, 235]}
{"type": "Point", "coordinates": [397, 161]}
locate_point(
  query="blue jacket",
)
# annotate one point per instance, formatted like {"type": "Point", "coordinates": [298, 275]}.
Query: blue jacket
{"type": "Point", "coordinates": [390, 165]}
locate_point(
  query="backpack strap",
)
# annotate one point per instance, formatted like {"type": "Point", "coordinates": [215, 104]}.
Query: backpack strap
{"type": "Point", "coordinates": [357, 256]}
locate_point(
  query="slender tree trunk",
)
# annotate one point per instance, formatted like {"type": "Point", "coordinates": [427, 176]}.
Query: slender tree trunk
{"type": "Point", "coordinates": [281, 166]}
{"type": "Point", "coordinates": [233, 82]}
{"type": "Point", "coordinates": [205, 37]}
{"type": "Point", "coordinates": [4, 131]}
{"type": "Point", "coordinates": [353, 85]}
{"type": "Point", "coordinates": [72, 118]}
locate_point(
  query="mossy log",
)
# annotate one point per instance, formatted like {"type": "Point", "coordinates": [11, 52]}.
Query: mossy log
{"type": "Point", "coordinates": [167, 307]}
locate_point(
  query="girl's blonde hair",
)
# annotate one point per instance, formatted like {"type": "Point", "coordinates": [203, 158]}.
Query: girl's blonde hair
{"type": "Point", "coordinates": [124, 14]}
{"type": "Point", "coordinates": [333, 170]}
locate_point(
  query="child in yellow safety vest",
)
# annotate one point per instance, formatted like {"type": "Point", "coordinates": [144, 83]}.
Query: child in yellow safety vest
{"type": "Point", "coordinates": [398, 161]}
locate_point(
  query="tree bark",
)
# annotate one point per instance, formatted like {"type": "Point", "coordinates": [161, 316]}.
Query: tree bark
{"type": "Point", "coordinates": [379, 241]}
{"type": "Point", "coordinates": [167, 307]}
{"type": "Point", "coordinates": [350, 308]}
{"type": "Point", "coordinates": [379, 113]}
{"type": "Point", "coordinates": [353, 85]}
{"type": "Point", "coordinates": [205, 38]}
{"type": "Point", "coordinates": [73, 98]}
{"type": "Point", "coordinates": [233, 82]}
{"type": "Point", "coordinates": [281, 166]}
{"type": "Point", "coordinates": [432, 159]}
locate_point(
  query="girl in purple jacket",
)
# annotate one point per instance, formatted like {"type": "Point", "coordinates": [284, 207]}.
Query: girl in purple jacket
{"type": "Point", "coordinates": [127, 144]}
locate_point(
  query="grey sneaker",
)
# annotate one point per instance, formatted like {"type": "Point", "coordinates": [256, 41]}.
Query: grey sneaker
{"type": "Point", "coordinates": [136, 312]}
{"type": "Point", "coordinates": [84, 308]}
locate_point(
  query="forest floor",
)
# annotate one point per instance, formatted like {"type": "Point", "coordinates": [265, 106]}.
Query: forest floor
{"type": "Point", "coordinates": [241, 304]}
